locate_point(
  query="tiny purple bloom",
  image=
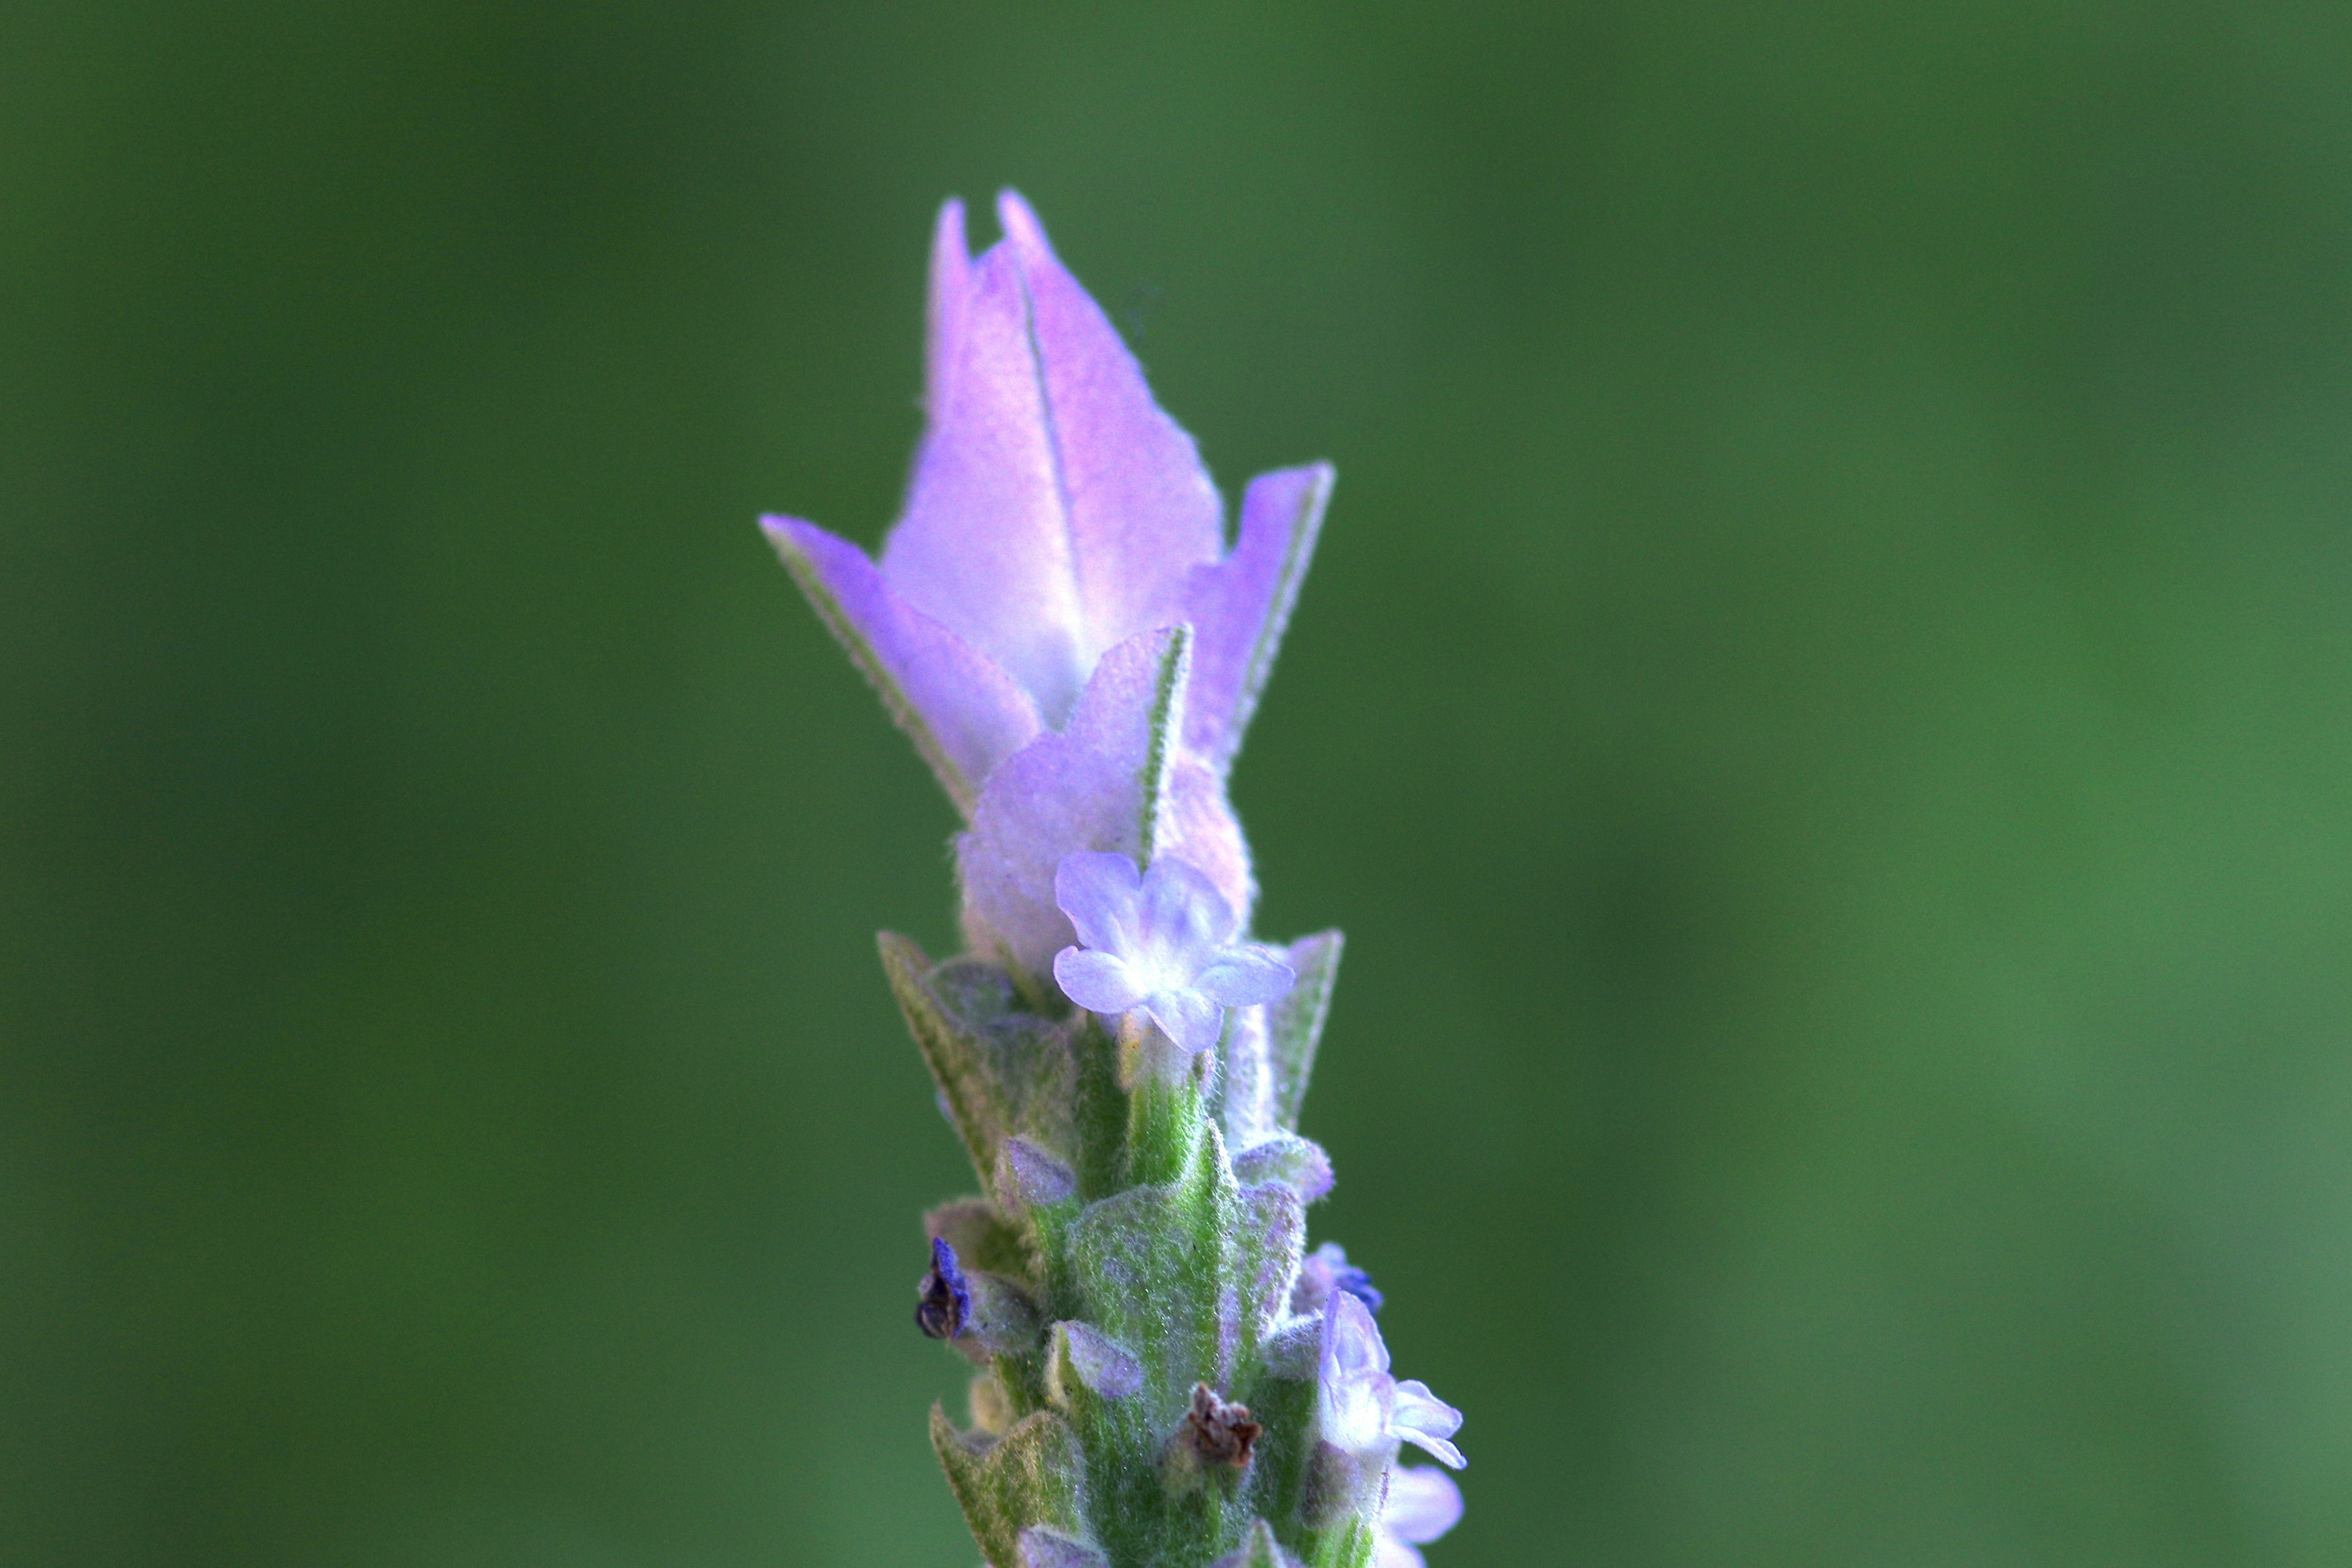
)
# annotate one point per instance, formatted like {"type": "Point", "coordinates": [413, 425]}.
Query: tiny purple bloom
{"type": "Point", "coordinates": [1362, 1409]}
{"type": "Point", "coordinates": [1160, 942]}
{"type": "Point", "coordinates": [1421, 1505]}
{"type": "Point", "coordinates": [1327, 1269]}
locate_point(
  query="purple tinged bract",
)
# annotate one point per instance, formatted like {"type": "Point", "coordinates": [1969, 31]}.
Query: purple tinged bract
{"type": "Point", "coordinates": [1160, 942]}
{"type": "Point", "coordinates": [1055, 618]}
{"type": "Point", "coordinates": [1055, 512]}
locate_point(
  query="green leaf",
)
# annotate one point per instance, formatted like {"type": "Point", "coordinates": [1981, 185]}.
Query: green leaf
{"type": "Point", "coordinates": [1033, 1475]}
{"type": "Point", "coordinates": [1000, 1068]}
{"type": "Point", "coordinates": [1294, 1024]}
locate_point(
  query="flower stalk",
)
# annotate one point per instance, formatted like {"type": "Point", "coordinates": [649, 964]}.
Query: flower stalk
{"type": "Point", "coordinates": [1166, 1378]}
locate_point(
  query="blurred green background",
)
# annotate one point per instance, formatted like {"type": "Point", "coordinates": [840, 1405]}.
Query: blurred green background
{"type": "Point", "coordinates": [1825, 711]}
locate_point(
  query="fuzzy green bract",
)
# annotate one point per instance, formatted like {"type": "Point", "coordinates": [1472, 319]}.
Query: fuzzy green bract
{"type": "Point", "coordinates": [1163, 1378]}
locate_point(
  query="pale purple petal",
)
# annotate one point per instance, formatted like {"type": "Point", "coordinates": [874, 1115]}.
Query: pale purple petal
{"type": "Point", "coordinates": [1388, 1551]}
{"type": "Point", "coordinates": [1437, 1448]}
{"type": "Point", "coordinates": [1420, 1417]}
{"type": "Point", "coordinates": [1187, 1017]}
{"type": "Point", "coordinates": [1240, 606]}
{"type": "Point", "coordinates": [1353, 1350]}
{"type": "Point", "coordinates": [1423, 1504]}
{"type": "Point", "coordinates": [1141, 509]}
{"type": "Point", "coordinates": [1054, 510]}
{"type": "Point", "coordinates": [1354, 1389]}
{"type": "Point", "coordinates": [1198, 827]}
{"type": "Point", "coordinates": [985, 544]}
{"type": "Point", "coordinates": [951, 286]}
{"type": "Point", "coordinates": [1100, 891]}
{"type": "Point", "coordinates": [1245, 976]}
{"type": "Point", "coordinates": [1181, 914]}
{"type": "Point", "coordinates": [965, 715]}
{"type": "Point", "coordinates": [1085, 790]}
{"type": "Point", "coordinates": [1097, 981]}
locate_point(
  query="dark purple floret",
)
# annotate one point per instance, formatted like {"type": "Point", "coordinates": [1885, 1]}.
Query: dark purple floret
{"type": "Point", "coordinates": [1358, 1284]}
{"type": "Point", "coordinates": [945, 1301]}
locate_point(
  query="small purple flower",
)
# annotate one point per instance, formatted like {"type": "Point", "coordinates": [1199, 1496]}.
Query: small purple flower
{"type": "Point", "coordinates": [1160, 942]}
{"type": "Point", "coordinates": [943, 1302]}
{"type": "Point", "coordinates": [1421, 1505]}
{"type": "Point", "coordinates": [1364, 1411]}
{"type": "Point", "coordinates": [1327, 1269]}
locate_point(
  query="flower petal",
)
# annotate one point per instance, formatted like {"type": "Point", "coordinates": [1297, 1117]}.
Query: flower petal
{"type": "Point", "coordinates": [964, 714]}
{"type": "Point", "coordinates": [1423, 1504]}
{"type": "Point", "coordinates": [1388, 1551]}
{"type": "Point", "coordinates": [1240, 606]}
{"type": "Point", "coordinates": [1087, 789]}
{"type": "Point", "coordinates": [1099, 982]}
{"type": "Point", "coordinates": [1187, 1017]}
{"type": "Point", "coordinates": [949, 289]}
{"type": "Point", "coordinates": [985, 545]}
{"type": "Point", "coordinates": [1101, 890]}
{"type": "Point", "coordinates": [1054, 510]}
{"type": "Point", "coordinates": [1421, 1418]}
{"type": "Point", "coordinates": [1181, 919]}
{"type": "Point", "coordinates": [1352, 1387]}
{"type": "Point", "coordinates": [1142, 512]}
{"type": "Point", "coordinates": [1244, 976]}
{"type": "Point", "coordinates": [1353, 1350]}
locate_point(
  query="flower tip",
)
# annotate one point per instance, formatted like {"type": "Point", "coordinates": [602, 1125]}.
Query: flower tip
{"type": "Point", "coordinates": [1021, 225]}
{"type": "Point", "coordinates": [947, 231]}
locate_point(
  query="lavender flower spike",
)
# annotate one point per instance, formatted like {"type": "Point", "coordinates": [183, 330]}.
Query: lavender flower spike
{"type": "Point", "coordinates": [1161, 943]}
{"type": "Point", "coordinates": [1055, 512]}
{"type": "Point", "coordinates": [1168, 1377]}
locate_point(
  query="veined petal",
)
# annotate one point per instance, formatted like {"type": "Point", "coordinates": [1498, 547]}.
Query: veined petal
{"type": "Point", "coordinates": [985, 545]}
{"type": "Point", "coordinates": [1142, 511]}
{"type": "Point", "coordinates": [1241, 604]}
{"type": "Point", "coordinates": [1244, 976]}
{"type": "Point", "coordinates": [963, 713]}
{"type": "Point", "coordinates": [1099, 982]}
{"type": "Point", "coordinates": [1054, 510]}
{"type": "Point", "coordinates": [1423, 1504]}
{"type": "Point", "coordinates": [1101, 892]}
{"type": "Point", "coordinates": [1187, 1017]}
